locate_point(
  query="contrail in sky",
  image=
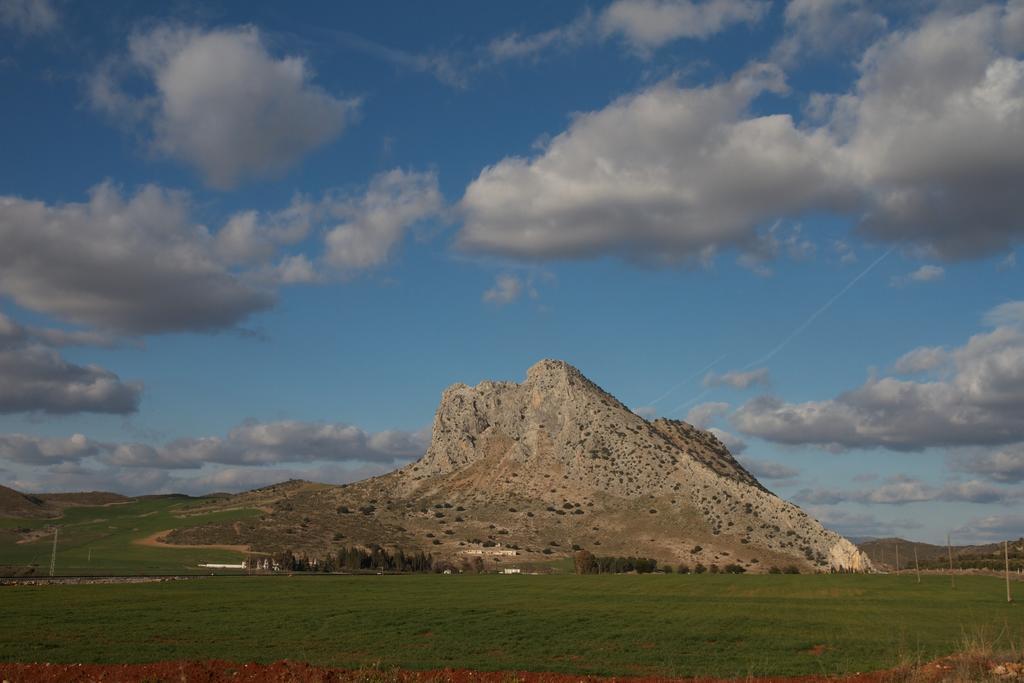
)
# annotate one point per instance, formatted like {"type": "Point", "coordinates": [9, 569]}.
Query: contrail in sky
{"type": "Point", "coordinates": [814, 316]}
{"type": "Point", "coordinates": [790, 337]}
{"type": "Point", "coordinates": [687, 380]}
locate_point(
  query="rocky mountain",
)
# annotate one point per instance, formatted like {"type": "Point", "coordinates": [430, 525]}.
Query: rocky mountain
{"type": "Point", "coordinates": [527, 472]}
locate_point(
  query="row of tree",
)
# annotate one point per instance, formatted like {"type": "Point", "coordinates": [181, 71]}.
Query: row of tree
{"type": "Point", "coordinates": [374, 558]}
{"type": "Point", "coordinates": [588, 563]}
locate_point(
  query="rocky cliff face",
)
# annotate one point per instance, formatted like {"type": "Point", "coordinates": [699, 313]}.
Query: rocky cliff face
{"type": "Point", "coordinates": [555, 463]}
{"type": "Point", "coordinates": [559, 427]}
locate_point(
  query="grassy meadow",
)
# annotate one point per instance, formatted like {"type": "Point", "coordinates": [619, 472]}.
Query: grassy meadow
{"type": "Point", "coordinates": [101, 539]}
{"type": "Point", "coordinates": [608, 624]}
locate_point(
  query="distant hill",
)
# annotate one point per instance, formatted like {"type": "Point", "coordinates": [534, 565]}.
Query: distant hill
{"type": "Point", "coordinates": [882, 552]}
{"type": "Point", "coordinates": [16, 504]}
{"type": "Point", "coordinates": [533, 471]}
{"type": "Point", "coordinates": [43, 505]}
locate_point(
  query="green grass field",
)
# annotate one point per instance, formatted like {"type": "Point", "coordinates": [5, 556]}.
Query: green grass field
{"type": "Point", "coordinates": [99, 540]}
{"type": "Point", "coordinates": [620, 625]}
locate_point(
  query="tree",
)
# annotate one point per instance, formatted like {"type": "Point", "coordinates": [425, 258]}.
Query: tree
{"type": "Point", "coordinates": [586, 563]}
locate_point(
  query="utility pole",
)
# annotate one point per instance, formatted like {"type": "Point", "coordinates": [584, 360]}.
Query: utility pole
{"type": "Point", "coordinates": [53, 555]}
{"type": "Point", "coordinates": [952, 578]}
{"type": "Point", "coordinates": [1006, 558]}
{"type": "Point", "coordinates": [917, 567]}
{"type": "Point", "coordinates": [897, 558]}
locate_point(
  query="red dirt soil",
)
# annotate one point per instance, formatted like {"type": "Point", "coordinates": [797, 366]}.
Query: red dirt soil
{"type": "Point", "coordinates": [215, 671]}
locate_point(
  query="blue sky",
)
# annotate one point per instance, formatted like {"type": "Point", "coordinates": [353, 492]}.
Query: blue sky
{"type": "Point", "coordinates": [240, 244]}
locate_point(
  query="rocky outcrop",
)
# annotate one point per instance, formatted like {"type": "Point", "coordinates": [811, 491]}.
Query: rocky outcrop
{"type": "Point", "coordinates": [510, 438]}
{"type": "Point", "coordinates": [539, 468]}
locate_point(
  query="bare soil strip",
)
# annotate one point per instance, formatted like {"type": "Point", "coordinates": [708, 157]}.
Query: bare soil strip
{"type": "Point", "coordinates": [157, 541]}
{"type": "Point", "coordinates": [215, 671]}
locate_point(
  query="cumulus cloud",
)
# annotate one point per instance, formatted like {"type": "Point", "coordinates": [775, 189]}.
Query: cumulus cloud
{"type": "Point", "coordinates": [904, 490]}
{"type": "Point", "coordinates": [919, 152]}
{"type": "Point", "coordinates": [222, 103]}
{"type": "Point", "coordinates": [1008, 314]}
{"type": "Point", "coordinates": [32, 450]}
{"type": "Point", "coordinates": [703, 414]}
{"type": "Point", "coordinates": [666, 175]}
{"type": "Point", "coordinates": [921, 359]}
{"type": "Point", "coordinates": [252, 454]}
{"type": "Point", "coordinates": [735, 444]}
{"type": "Point", "coordinates": [35, 378]}
{"type": "Point", "coordinates": [993, 528]}
{"type": "Point", "coordinates": [375, 222]}
{"type": "Point", "coordinates": [643, 25]}
{"type": "Point", "coordinates": [135, 265]}
{"type": "Point", "coordinates": [981, 403]}
{"type": "Point", "coordinates": [821, 27]}
{"type": "Point", "coordinates": [860, 525]}
{"type": "Point", "coordinates": [738, 379]}
{"type": "Point", "coordinates": [648, 24]}
{"type": "Point", "coordinates": [926, 273]}
{"type": "Point", "coordinates": [142, 264]}
{"type": "Point", "coordinates": [253, 236]}
{"type": "Point", "coordinates": [506, 289]}
{"type": "Point", "coordinates": [930, 125]}
{"type": "Point", "coordinates": [768, 469]}
{"type": "Point", "coordinates": [29, 16]}
{"type": "Point", "coordinates": [1005, 465]}
{"type": "Point", "coordinates": [259, 443]}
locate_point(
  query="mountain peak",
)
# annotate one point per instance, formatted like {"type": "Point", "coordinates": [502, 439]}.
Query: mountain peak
{"type": "Point", "coordinates": [556, 462]}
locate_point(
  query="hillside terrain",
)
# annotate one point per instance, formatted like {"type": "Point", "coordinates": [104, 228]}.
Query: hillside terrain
{"type": "Point", "coordinates": [45, 505]}
{"type": "Point", "coordinates": [882, 552]}
{"type": "Point", "coordinates": [519, 473]}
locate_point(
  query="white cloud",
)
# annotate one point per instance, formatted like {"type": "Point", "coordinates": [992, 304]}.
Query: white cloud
{"type": "Point", "coordinates": [28, 16]}
{"type": "Point", "coordinates": [137, 266]}
{"type": "Point", "coordinates": [932, 126]}
{"type": "Point", "coordinates": [506, 289]}
{"type": "Point", "coordinates": [644, 25]}
{"type": "Point", "coordinates": [35, 378]}
{"type": "Point", "coordinates": [222, 103]}
{"type": "Point", "coordinates": [517, 46]}
{"type": "Point", "coordinates": [257, 444]}
{"type": "Point", "coordinates": [818, 27]}
{"type": "Point", "coordinates": [738, 379]}
{"type": "Point", "coordinates": [981, 403]}
{"type": "Point", "coordinates": [666, 175]}
{"type": "Point", "coordinates": [270, 443]}
{"type": "Point", "coordinates": [1005, 465]}
{"type": "Point", "coordinates": [143, 264]}
{"type": "Point", "coordinates": [735, 444]}
{"type": "Point", "coordinates": [1008, 314]}
{"type": "Point", "coordinates": [921, 152]}
{"type": "Point", "coordinates": [904, 490]}
{"type": "Point", "coordinates": [374, 223]}
{"type": "Point", "coordinates": [648, 24]}
{"type": "Point", "coordinates": [32, 450]}
{"type": "Point", "coordinates": [703, 414]}
{"type": "Point", "coordinates": [922, 359]}
{"type": "Point", "coordinates": [992, 528]}
{"type": "Point", "coordinates": [767, 469]}
{"type": "Point", "coordinates": [926, 273]}
{"type": "Point", "coordinates": [860, 525]}
{"type": "Point", "coordinates": [252, 236]}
